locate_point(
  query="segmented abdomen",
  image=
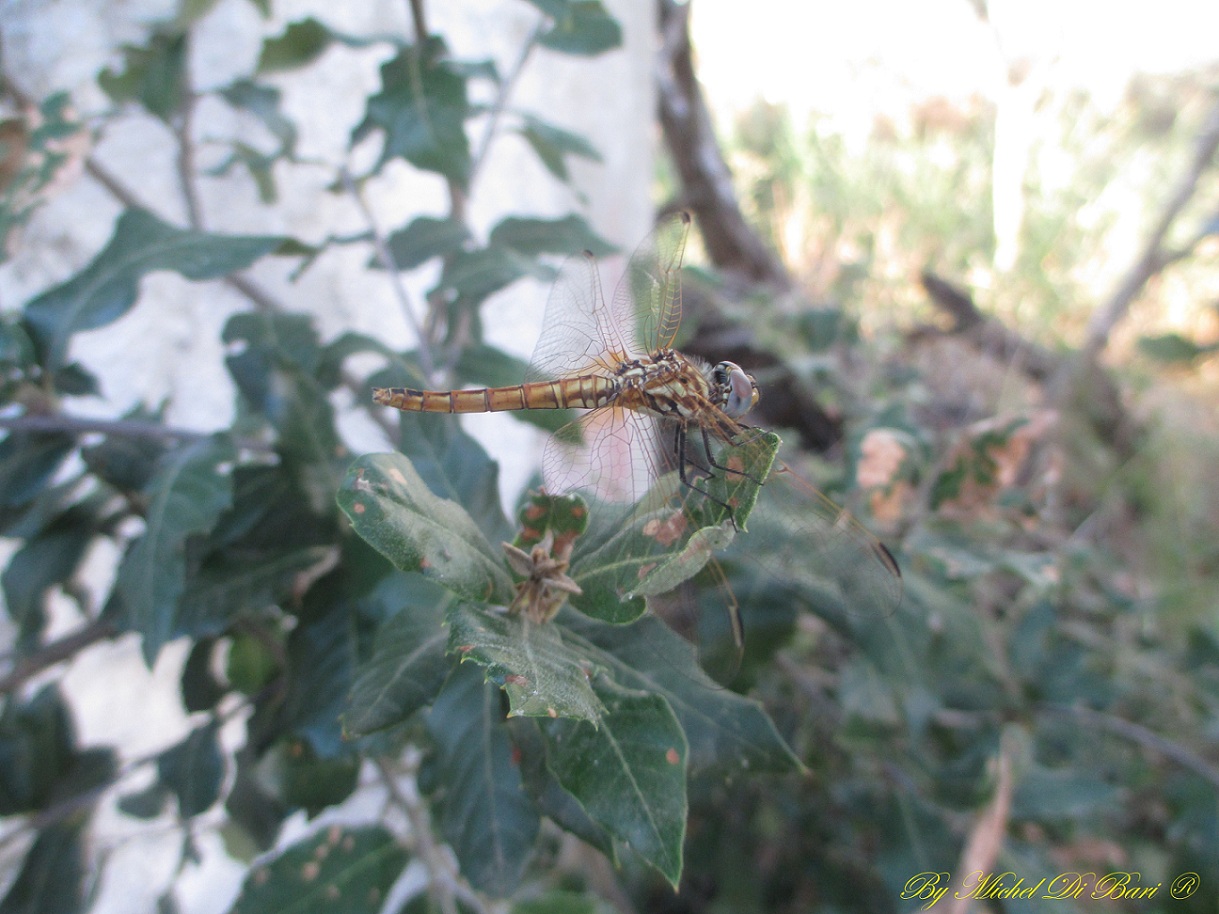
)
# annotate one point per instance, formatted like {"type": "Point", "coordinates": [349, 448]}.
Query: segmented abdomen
{"type": "Point", "coordinates": [586, 392]}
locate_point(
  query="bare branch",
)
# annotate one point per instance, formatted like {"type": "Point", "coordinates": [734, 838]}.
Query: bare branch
{"type": "Point", "coordinates": [1153, 258]}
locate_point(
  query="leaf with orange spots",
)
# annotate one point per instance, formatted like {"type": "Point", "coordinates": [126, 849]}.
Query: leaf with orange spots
{"type": "Point", "coordinates": [335, 870]}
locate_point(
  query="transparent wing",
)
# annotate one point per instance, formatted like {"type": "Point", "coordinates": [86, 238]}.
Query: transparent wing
{"type": "Point", "coordinates": [648, 300]}
{"type": "Point", "coordinates": [609, 454]}
{"type": "Point", "coordinates": [580, 334]}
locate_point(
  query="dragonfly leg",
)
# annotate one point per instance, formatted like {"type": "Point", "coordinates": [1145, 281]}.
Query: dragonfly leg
{"type": "Point", "coordinates": [684, 460]}
{"type": "Point", "coordinates": [719, 466]}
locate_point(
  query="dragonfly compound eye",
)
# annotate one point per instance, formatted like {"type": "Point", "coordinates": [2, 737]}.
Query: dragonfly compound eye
{"type": "Point", "coordinates": [740, 392]}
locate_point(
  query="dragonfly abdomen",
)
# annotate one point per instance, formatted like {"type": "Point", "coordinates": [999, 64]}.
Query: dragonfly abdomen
{"type": "Point", "coordinates": [586, 392]}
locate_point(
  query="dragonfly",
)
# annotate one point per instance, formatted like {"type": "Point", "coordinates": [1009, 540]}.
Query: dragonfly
{"type": "Point", "coordinates": [655, 415]}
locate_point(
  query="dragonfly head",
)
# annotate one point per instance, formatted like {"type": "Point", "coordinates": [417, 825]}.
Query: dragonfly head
{"type": "Point", "coordinates": [737, 391]}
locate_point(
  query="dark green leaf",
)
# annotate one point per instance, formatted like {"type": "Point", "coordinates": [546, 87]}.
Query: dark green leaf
{"type": "Point", "coordinates": [255, 811]}
{"type": "Point", "coordinates": [200, 688]}
{"type": "Point", "coordinates": [301, 43]}
{"type": "Point", "coordinates": [727, 733]}
{"type": "Point", "coordinates": [531, 237]}
{"type": "Point", "coordinates": [391, 507]}
{"type": "Point", "coordinates": [553, 144]}
{"type": "Point", "coordinates": [560, 902]}
{"type": "Point", "coordinates": [348, 871]}
{"type": "Point", "coordinates": [46, 560]}
{"type": "Point", "coordinates": [145, 804]}
{"type": "Point", "coordinates": [321, 666]}
{"type": "Point", "coordinates": [406, 670]}
{"type": "Point", "coordinates": [455, 467]}
{"type": "Point", "coordinates": [472, 276]}
{"type": "Point", "coordinates": [191, 488]}
{"type": "Point", "coordinates": [542, 676]}
{"type": "Point", "coordinates": [313, 783]}
{"type": "Point", "coordinates": [107, 288]}
{"type": "Point", "coordinates": [485, 816]}
{"type": "Point", "coordinates": [426, 237]}
{"type": "Point", "coordinates": [37, 750]}
{"type": "Point", "coordinates": [28, 460]}
{"type": "Point", "coordinates": [579, 27]}
{"type": "Point", "coordinates": [278, 374]}
{"type": "Point", "coordinates": [193, 770]}
{"type": "Point", "coordinates": [127, 462]}
{"type": "Point", "coordinates": [226, 589]}
{"type": "Point", "coordinates": [52, 876]}
{"type": "Point", "coordinates": [629, 773]}
{"type": "Point", "coordinates": [422, 109]}
{"type": "Point", "coordinates": [153, 75]}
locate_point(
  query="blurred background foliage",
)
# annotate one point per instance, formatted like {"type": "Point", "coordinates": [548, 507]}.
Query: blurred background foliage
{"type": "Point", "coordinates": [1026, 416]}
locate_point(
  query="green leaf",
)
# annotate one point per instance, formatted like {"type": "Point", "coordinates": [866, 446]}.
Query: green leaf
{"type": "Point", "coordinates": [193, 770]}
{"type": "Point", "coordinates": [553, 144]}
{"type": "Point", "coordinates": [426, 237]}
{"type": "Point", "coordinates": [1046, 794]}
{"type": "Point", "coordinates": [475, 275]}
{"type": "Point", "coordinates": [226, 589]}
{"type": "Point", "coordinates": [321, 665]}
{"type": "Point", "coordinates": [629, 773]}
{"type": "Point", "coordinates": [127, 462]}
{"type": "Point", "coordinates": [563, 902]}
{"type": "Point", "coordinates": [485, 816]}
{"type": "Point", "coordinates": [391, 507]}
{"type": "Point", "coordinates": [580, 27]}
{"type": "Point", "coordinates": [48, 559]}
{"type": "Point", "coordinates": [406, 670]}
{"type": "Point", "coordinates": [315, 784]}
{"type": "Point", "coordinates": [153, 75]}
{"type": "Point", "coordinates": [531, 237]}
{"type": "Point", "coordinates": [277, 368]}
{"type": "Point", "coordinates": [52, 875]}
{"type": "Point", "coordinates": [541, 675]}
{"type": "Point", "coordinates": [145, 804]}
{"type": "Point", "coordinates": [37, 750]}
{"type": "Point", "coordinates": [200, 688]}
{"type": "Point", "coordinates": [340, 870]}
{"type": "Point", "coordinates": [727, 733]}
{"type": "Point", "coordinates": [28, 460]}
{"type": "Point", "coordinates": [301, 43]}
{"type": "Point", "coordinates": [190, 490]}
{"type": "Point", "coordinates": [455, 466]}
{"type": "Point", "coordinates": [421, 109]}
{"type": "Point", "coordinates": [263, 102]}
{"type": "Point", "coordinates": [1173, 348]}
{"type": "Point", "coordinates": [106, 289]}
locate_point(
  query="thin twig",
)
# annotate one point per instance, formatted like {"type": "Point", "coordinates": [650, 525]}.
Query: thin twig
{"type": "Point", "coordinates": [445, 882]}
{"type": "Point", "coordinates": [74, 425]}
{"type": "Point", "coordinates": [55, 652]}
{"type": "Point", "coordinates": [501, 101]}
{"type": "Point", "coordinates": [386, 259]}
{"type": "Point", "coordinates": [185, 160]}
{"type": "Point", "coordinates": [1142, 736]}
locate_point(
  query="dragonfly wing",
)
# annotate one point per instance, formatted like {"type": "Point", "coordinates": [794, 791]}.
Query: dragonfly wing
{"type": "Point", "coordinates": [609, 453]}
{"type": "Point", "coordinates": [648, 300]}
{"type": "Point", "coordinates": [579, 333]}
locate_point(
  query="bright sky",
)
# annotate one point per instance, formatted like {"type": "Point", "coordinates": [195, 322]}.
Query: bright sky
{"type": "Point", "coordinates": [841, 58]}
